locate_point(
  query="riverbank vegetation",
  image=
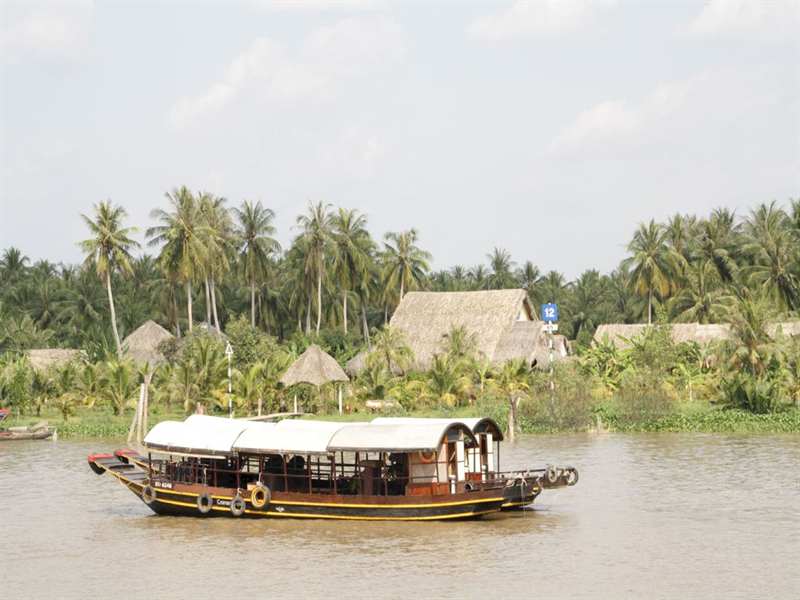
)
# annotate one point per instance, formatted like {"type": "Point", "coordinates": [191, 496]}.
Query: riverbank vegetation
{"type": "Point", "coordinates": [219, 274]}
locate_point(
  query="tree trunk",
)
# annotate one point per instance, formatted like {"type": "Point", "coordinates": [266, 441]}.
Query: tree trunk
{"type": "Point", "coordinates": [319, 299]}
{"type": "Point", "coordinates": [344, 310]}
{"type": "Point", "coordinates": [208, 303]}
{"type": "Point", "coordinates": [650, 307]}
{"type": "Point", "coordinates": [308, 315]}
{"type": "Point", "coordinates": [252, 303]}
{"type": "Point", "coordinates": [214, 304]}
{"type": "Point", "coordinates": [189, 302]}
{"type": "Point", "coordinates": [177, 314]}
{"type": "Point", "coordinates": [365, 324]}
{"type": "Point", "coordinates": [402, 284]}
{"type": "Point", "coordinates": [512, 420]}
{"type": "Point", "coordinates": [113, 313]}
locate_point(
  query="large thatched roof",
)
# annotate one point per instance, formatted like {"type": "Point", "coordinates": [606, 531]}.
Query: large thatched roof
{"type": "Point", "coordinates": [44, 358]}
{"type": "Point", "coordinates": [787, 328]}
{"type": "Point", "coordinates": [502, 322]}
{"type": "Point", "coordinates": [142, 346]}
{"type": "Point", "coordinates": [621, 334]}
{"type": "Point", "coordinates": [314, 366]}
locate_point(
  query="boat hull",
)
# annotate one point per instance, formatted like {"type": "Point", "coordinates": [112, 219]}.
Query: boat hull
{"type": "Point", "coordinates": [184, 500]}
{"type": "Point", "coordinates": [42, 434]}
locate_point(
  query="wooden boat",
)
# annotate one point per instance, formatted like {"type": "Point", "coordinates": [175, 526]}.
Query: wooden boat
{"type": "Point", "coordinates": [209, 466]}
{"type": "Point", "coordinates": [521, 487]}
{"type": "Point", "coordinates": [40, 431]}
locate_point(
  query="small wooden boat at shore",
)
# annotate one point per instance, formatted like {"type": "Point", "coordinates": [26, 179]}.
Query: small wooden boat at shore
{"type": "Point", "coordinates": [39, 431]}
{"type": "Point", "coordinates": [210, 466]}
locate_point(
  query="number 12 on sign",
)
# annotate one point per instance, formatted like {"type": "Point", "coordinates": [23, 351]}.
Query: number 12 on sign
{"type": "Point", "coordinates": [549, 313]}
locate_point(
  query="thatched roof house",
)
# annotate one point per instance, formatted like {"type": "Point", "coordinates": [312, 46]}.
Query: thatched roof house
{"type": "Point", "coordinates": [503, 323]}
{"type": "Point", "coordinates": [44, 358]}
{"type": "Point", "coordinates": [621, 334]}
{"type": "Point", "coordinates": [144, 345]}
{"type": "Point", "coordinates": [314, 366]}
{"type": "Point", "coordinates": [787, 328]}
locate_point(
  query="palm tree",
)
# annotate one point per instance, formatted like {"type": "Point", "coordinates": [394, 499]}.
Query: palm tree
{"type": "Point", "coordinates": [447, 380]}
{"type": "Point", "coordinates": [654, 264]}
{"type": "Point", "coordinates": [751, 345]}
{"type": "Point", "coordinates": [255, 245]}
{"type": "Point", "coordinates": [109, 250]}
{"type": "Point", "coordinates": [316, 226]}
{"type": "Point", "coordinates": [391, 349]}
{"type": "Point", "coordinates": [773, 251]}
{"type": "Point", "coordinates": [459, 344]}
{"type": "Point", "coordinates": [500, 264]}
{"type": "Point", "coordinates": [405, 263]}
{"type": "Point", "coordinates": [553, 287]}
{"type": "Point", "coordinates": [512, 381]}
{"type": "Point", "coordinates": [587, 303]}
{"type": "Point", "coordinates": [459, 278]}
{"type": "Point", "coordinates": [529, 277]}
{"type": "Point", "coordinates": [719, 243]}
{"type": "Point", "coordinates": [185, 241]}
{"type": "Point", "coordinates": [480, 277]}
{"type": "Point", "coordinates": [701, 298]}
{"type": "Point", "coordinates": [679, 233]}
{"type": "Point", "coordinates": [117, 385]}
{"type": "Point", "coordinates": [13, 265]}
{"type": "Point", "coordinates": [353, 247]}
{"type": "Point", "coordinates": [220, 232]}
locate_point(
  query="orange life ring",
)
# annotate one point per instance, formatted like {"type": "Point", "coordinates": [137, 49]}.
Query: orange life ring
{"type": "Point", "coordinates": [427, 457]}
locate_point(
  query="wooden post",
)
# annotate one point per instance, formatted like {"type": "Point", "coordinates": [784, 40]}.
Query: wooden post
{"type": "Point", "coordinates": [512, 420]}
{"type": "Point", "coordinates": [135, 424]}
{"type": "Point", "coordinates": [340, 399]}
{"type": "Point", "coordinates": [295, 403]}
{"type": "Point", "coordinates": [146, 406]}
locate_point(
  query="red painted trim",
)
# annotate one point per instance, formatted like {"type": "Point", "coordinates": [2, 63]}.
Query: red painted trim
{"type": "Point", "coordinates": [126, 452]}
{"type": "Point", "coordinates": [94, 457]}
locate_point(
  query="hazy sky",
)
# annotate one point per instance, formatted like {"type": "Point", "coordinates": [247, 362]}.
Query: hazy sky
{"type": "Point", "coordinates": [548, 127]}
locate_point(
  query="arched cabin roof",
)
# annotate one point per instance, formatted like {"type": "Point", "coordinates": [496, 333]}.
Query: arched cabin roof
{"type": "Point", "coordinates": [217, 436]}
{"type": "Point", "coordinates": [198, 434]}
{"type": "Point", "coordinates": [288, 437]}
{"type": "Point", "coordinates": [398, 437]}
{"type": "Point", "coordinates": [477, 424]}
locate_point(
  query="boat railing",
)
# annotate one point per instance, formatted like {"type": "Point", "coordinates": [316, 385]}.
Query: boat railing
{"type": "Point", "coordinates": [312, 476]}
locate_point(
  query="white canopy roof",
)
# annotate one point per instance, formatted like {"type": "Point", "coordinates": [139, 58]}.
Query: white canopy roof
{"type": "Point", "coordinates": [397, 437]}
{"type": "Point", "coordinates": [476, 424]}
{"type": "Point", "coordinates": [288, 437]}
{"type": "Point", "coordinates": [217, 436]}
{"type": "Point", "coordinates": [198, 434]}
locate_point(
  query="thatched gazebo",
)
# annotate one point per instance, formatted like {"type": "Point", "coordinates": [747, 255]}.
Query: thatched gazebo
{"type": "Point", "coordinates": [143, 347]}
{"type": "Point", "coordinates": [314, 367]}
{"type": "Point", "coordinates": [44, 358]}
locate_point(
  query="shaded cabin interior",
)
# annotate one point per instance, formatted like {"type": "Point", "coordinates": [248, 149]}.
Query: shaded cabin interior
{"type": "Point", "coordinates": [412, 458]}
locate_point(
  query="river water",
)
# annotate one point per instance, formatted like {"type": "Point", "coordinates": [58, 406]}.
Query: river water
{"type": "Point", "coordinates": [653, 516]}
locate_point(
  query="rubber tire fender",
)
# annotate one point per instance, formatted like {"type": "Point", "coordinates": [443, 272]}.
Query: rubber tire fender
{"type": "Point", "coordinates": [260, 496]}
{"type": "Point", "coordinates": [204, 503]}
{"type": "Point", "coordinates": [238, 505]}
{"type": "Point", "coordinates": [551, 475]}
{"type": "Point", "coordinates": [572, 476]}
{"type": "Point", "coordinates": [148, 494]}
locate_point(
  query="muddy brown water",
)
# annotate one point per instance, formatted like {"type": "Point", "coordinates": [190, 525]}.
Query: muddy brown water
{"type": "Point", "coordinates": [653, 516]}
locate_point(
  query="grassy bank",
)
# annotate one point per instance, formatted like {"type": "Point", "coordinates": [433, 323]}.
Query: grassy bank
{"type": "Point", "coordinates": [90, 424]}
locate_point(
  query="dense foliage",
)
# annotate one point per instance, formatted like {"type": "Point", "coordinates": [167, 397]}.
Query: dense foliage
{"type": "Point", "coordinates": [337, 286]}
